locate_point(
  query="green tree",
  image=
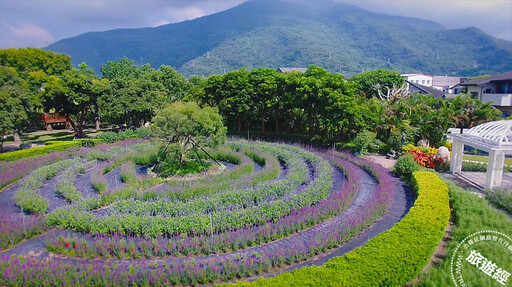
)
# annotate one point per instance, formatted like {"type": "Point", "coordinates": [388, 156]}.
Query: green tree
{"type": "Point", "coordinates": [467, 112]}
{"type": "Point", "coordinates": [184, 126]}
{"type": "Point", "coordinates": [176, 86]}
{"type": "Point", "coordinates": [264, 91]}
{"type": "Point", "coordinates": [368, 83]}
{"type": "Point", "coordinates": [15, 103]}
{"type": "Point", "coordinates": [27, 60]}
{"type": "Point", "coordinates": [131, 100]}
{"type": "Point", "coordinates": [123, 67]}
{"type": "Point", "coordinates": [72, 94]}
{"type": "Point", "coordinates": [135, 92]}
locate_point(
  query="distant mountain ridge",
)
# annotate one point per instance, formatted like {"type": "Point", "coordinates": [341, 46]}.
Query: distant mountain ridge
{"type": "Point", "coordinates": [280, 33]}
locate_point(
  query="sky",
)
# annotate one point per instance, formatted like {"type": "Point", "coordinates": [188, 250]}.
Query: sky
{"type": "Point", "coordinates": [38, 23]}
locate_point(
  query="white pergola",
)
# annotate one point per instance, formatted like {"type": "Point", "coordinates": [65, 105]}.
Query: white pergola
{"type": "Point", "coordinates": [492, 137]}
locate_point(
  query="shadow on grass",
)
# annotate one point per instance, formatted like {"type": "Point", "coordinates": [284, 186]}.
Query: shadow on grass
{"type": "Point", "coordinates": [59, 136]}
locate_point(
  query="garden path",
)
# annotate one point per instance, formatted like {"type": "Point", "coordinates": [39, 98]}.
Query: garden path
{"type": "Point", "coordinates": [476, 180]}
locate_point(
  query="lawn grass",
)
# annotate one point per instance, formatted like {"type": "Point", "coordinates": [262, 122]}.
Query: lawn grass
{"type": "Point", "coordinates": [55, 135]}
{"type": "Point", "coordinates": [501, 197]}
{"type": "Point", "coordinates": [472, 214]}
{"type": "Point", "coordinates": [480, 158]}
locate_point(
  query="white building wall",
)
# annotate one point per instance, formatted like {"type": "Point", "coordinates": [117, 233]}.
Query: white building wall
{"type": "Point", "coordinates": [475, 92]}
{"type": "Point", "coordinates": [421, 79]}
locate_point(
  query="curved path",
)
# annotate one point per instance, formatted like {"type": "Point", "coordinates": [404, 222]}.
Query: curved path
{"type": "Point", "coordinates": [400, 203]}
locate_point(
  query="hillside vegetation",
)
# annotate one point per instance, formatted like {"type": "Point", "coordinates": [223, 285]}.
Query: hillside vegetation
{"type": "Point", "coordinates": [339, 37]}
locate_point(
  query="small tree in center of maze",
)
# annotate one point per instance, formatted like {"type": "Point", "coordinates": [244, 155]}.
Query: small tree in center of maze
{"type": "Point", "coordinates": [184, 127]}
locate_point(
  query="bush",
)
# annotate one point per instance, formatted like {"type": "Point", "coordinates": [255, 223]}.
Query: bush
{"type": "Point", "coordinates": [364, 142]}
{"type": "Point", "coordinates": [169, 168]}
{"type": "Point", "coordinates": [37, 151]}
{"type": "Point", "coordinates": [142, 132]}
{"type": "Point", "coordinates": [393, 257]}
{"type": "Point", "coordinates": [109, 137]}
{"type": "Point", "coordinates": [501, 197]}
{"type": "Point", "coordinates": [83, 142]}
{"type": "Point", "coordinates": [405, 166]}
{"type": "Point", "coordinates": [31, 202]}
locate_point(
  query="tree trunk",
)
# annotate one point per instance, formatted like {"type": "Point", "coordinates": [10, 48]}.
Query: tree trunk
{"type": "Point", "coordinates": [239, 124]}
{"type": "Point", "coordinates": [310, 125]}
{"type": "Point", "coordinates": [81, 121]}
{"type": "Point", "coordinates": [262, 123]}
{"type": "Point", "coordinates": [97, 119]}
{"type": "Point", "coordinates": [276, 118]}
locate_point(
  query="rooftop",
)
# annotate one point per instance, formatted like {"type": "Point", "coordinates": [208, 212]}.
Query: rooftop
{"type": "Point", "coordinates": [427, 90]}
{"type": "Point", "coordinates": [285, 70]}
{"type": "Point", "coordinates": [484, 81]}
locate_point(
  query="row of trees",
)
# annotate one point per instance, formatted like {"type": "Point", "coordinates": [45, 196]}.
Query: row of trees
{"type": "Point", "coordinates": [315, 103]}
{"type": "Point", "coordinates": [322, 104]}
{"type": "Point", "coordinates": [33, 81]}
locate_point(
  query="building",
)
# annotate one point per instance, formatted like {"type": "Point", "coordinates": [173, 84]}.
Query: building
{"type": "Point", "coordinates": [424, 80]}
{"type": "Point", "coordinates": [496, 90]}
{"type": "Point", "coordinates": [447, 84]}
{"type": "Point", "coordinates": [418, 88]}
{"type": "Point", "coordinates": [285, 70]}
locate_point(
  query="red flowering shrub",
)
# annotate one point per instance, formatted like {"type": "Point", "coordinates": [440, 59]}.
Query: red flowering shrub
{"type": "Point", "coordinates": [426, 159]}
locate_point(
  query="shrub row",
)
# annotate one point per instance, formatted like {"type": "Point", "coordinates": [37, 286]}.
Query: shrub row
{"type": "Point", "coordinates": [38, 151]}
{"type": "Point", "coordinates": [110, 137]}
{"type": "Point", "coordinates": [65, 185]}
{"type": "Point", "coordinates": [393, 257]}
{"type": "Point", "coordinates": [28, 196]}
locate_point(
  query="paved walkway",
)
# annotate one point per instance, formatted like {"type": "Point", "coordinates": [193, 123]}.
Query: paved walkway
{"type": "Point", "coordinates": [381, 159]}
{"type": "Point", "coordinates": [476, 180]}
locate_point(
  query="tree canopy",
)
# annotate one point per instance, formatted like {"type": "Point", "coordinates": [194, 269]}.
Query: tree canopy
{"type": "Point", "coordinates": [133, 93]}
{"type": "Point", "coordinates": [368, 83]}
{"type": "Point", "coordinates": [72, 93]}
{"type": "Point", "coordinates": [15, 103]}
{"type": "Point", "coordinates": [27, 60]}
{"type": "Point", "coordinates": [185, 127]}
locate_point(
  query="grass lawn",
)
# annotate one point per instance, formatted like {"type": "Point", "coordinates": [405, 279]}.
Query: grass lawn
{"type": "Point", "coordinates": [55, 135]}
{"type": "Point", "coordinates": [472, 214]}
{"type": "Point", "coordinates": [508, 161]}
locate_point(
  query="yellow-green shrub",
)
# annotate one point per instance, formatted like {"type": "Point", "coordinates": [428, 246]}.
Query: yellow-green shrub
{"type": "Point", "coordinates": [37, 151]}
{"type": "Point", "coordinates": [393, 257]}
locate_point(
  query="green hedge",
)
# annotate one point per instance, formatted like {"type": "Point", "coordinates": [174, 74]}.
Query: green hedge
{"type": "Point", "coordinates": [50, 146]}
{"type": "Point", "coordinates": [42, 150]}
{"type": "Point", "coordinates": [393, 257]}
{"type": "Point", "coordinates": [83, 142]}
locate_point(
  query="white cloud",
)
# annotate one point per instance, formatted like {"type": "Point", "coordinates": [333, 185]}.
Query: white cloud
{"type": "Point", "coordinates": [491, 16]}
{"type": "Point", "coordinates": [161, 22]}
{"type": "Point", "coordinates": [58, 19]}
{"type": "Point", "coordinates": [27, 35]}
{"type": "Point", "coordinates": [178, 14]}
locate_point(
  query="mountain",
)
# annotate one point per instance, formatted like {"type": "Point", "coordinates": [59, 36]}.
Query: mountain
{"type": "Point", "coordinates": [283, 33]}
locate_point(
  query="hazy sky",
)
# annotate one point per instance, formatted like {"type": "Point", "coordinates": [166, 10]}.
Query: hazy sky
{"type": "Point", "coordinates": [38, 23]}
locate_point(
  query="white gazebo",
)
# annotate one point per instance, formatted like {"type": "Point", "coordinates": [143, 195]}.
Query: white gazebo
{"type": "Point", "coordinates": [492, 137]}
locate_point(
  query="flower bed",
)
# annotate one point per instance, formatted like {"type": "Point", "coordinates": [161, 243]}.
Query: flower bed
{"type": "Point", "coordinates": [245, 220]}
{"type": "Point", "coordinates": [393, 257]}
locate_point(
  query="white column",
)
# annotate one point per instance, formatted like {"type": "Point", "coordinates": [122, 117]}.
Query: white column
{"type": "Point", "coordinates": [495, 168]}
{"type": "Point", "coordinates": [457, 154]}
